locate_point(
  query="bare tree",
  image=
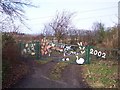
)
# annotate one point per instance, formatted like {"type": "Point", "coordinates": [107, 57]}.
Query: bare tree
{"type": "Point", "coordinates": [14, 10]}
{"type": "Point", "coordinates": [99, 31]}
{"type": "Point", "coordinates": [73, 35]}
{"type": "Point", "coordinates": [48, 31]}
{"type": "Point", "coordinates": [7, 25]}
{"type": "Point", "coordinates": [81, 34]}
{"type": "Point", "coordinates": [61, 24]}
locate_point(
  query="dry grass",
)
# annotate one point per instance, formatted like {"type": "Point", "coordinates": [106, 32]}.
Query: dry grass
{"type": "Point", "coordinates": [57, 70]}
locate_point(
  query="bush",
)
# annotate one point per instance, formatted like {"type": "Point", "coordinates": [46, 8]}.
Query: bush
{"type": "Point", "coordinates": [10, 49]}
{"type": "Point", "coordinates": [13, 68]}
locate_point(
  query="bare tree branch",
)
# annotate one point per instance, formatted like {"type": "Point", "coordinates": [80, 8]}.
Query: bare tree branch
{"type": "Point", "coordinates": [14, 9]}
{"type": "Point", "coordinates": [61, 24]}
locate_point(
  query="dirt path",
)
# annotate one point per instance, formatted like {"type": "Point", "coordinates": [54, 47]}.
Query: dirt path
{"type": "Point", "coordinates": [72, 75]}
{"type": "Point", "coordinates": [38, 78]}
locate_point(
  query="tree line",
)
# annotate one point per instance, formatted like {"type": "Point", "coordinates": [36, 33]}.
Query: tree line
{"type": "Point", "coordinates": [62, 29]}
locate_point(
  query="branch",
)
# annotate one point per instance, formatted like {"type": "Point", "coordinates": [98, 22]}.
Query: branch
{"type": "Point", "coordinates": [26, 4]}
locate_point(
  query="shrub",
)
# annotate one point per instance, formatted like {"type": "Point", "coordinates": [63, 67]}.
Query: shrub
{"type": "Point", "coordinates": [13, 68]}
{"type": "Point", "coordinates": [10, 49]}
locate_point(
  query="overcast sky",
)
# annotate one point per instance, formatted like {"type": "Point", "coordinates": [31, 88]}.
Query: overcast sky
{"type": "Point", "coordinates": [87, 12]}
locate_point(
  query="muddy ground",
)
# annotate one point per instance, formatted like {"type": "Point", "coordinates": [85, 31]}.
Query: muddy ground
{"type": "Point", "coordinates": [39, 77]}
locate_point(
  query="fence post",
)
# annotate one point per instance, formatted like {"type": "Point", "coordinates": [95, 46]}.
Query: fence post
{"type": "Point", "coordinates": [87, 50]}
{"type": "Point", "coordinates": [40, 55]}
{"type": "Point", "coordinates": [37, 49]}
{"type": "Point", "coordinates": [20, 45]}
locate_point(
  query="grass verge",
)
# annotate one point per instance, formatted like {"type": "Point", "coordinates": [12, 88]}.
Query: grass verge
{"type": "Point", "coordinates": [101, 74]}
{"type": "Point", "coordinates": [12, 72]}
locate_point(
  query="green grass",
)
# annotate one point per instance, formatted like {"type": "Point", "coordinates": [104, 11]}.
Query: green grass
{"type": "Point", "coordinates": [101, 74]}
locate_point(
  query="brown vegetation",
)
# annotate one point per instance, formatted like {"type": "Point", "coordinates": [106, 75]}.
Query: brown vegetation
{"type": "Point", "coordinates": [13, 68]}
